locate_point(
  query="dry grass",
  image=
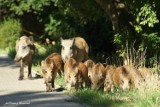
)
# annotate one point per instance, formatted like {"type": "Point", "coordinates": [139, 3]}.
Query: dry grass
{"type": "Point", "coordinates": [149, 92]}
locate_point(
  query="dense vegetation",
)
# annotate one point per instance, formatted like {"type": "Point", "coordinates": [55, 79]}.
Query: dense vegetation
{"type": "Point", "coordinates": [107, 30]}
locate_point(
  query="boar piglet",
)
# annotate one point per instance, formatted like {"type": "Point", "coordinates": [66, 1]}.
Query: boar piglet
{"type": "Point", "coordinates": [25, 52]}
{"type": "Point", "coordinates": [121, 78]}
{"type": "Point", "coordinates": [52, 65]}
{"type": "Point", "coordinates": [89, 64]}
{"type": "Point", "coordinates": [108, 83]}
{"type": "Point", "coordinates": [76, 74]}
{"type": "Point", "coordinates": [98, 76]}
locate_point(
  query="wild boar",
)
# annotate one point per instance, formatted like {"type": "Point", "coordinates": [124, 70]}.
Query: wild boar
{"type": "Point", "coordinates": [71, 73]}
{"type": "Point", "coordinates": [121, 78]}
{"type": "Point", "coordinates": [98, 76]}
{"type": "Point", "coordinates": [108, 83]}
{"type": "Point", "coordinates": [126, 77]}
{"type": "Point", "coordinates": [145, 72]}
{"type": "Point", "coordinates": [76, 48]}
{"type": "Point", "coordinates": [83, 75]}
{"type": "Point", "coordinates": [25, 52]}
{"type": "Point", "coordinates": [135, 75]}
{"type": "Point", "coordinates": [49, 69]}
{"type": "Point", "coordinates": [89, 64]}
{"type": "Point", "coordinates": [76, 73]}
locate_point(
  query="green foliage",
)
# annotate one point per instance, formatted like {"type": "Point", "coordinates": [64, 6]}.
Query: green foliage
{"type": "Point", "coordinates": [121, 38]}
{"type": "Point", "coordinates": [145, 24]}
{"type": "Point", "coordinates": [147, 16]}
{"type": "Point", "coordinates": [21, 6]}
{"type": "Point", "coordinates": [59, 27]}
{"type": "Point", "coordinates": [68, 18]}
{"type": "Point", "coordinates": [10, 30]}
{"type": "Point", "coordinates": [152, 40]}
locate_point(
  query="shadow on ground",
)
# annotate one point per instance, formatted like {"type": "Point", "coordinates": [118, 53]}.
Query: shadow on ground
{"type": "Point", "coordinates": [36, 99]}
{"type": "Point", "coordinates": [5, 61]}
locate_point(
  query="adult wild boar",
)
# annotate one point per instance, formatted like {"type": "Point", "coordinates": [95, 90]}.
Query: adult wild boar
{"type": "Point", "coordinates": [76, 74]}
{"type": "Point", "coordinates": [108, 83]}
{"type": "Point", "coordinates": [98, 76]}
{"type": "Point", "coordinates": [76, 48]}
{"type": "Point", "coordinates": [52, 65]}
{"type": "Point", "coordinates": [25, 52]}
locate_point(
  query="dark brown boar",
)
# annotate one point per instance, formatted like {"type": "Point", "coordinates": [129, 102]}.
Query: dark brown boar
{"type": "Point", "coordinates": [49, 69]}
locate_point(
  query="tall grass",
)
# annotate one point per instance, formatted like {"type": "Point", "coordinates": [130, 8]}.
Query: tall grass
{"type": "Point", "coordinates": [149, 92]}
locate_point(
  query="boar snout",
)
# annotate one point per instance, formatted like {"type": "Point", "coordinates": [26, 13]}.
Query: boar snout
{"type": "Point", "coordinates": [17, 59]}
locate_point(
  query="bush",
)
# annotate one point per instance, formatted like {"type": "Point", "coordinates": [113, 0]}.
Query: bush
{"type": "Point", "coordinates": [10, 29]}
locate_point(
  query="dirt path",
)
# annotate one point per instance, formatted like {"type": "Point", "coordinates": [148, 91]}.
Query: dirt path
{"type": "Point", "coordinates": [27, 93]}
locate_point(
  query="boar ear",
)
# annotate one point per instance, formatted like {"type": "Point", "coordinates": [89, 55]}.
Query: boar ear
{"type": "Point", "coordinates": [61, 39]}
{"type": "Point", "coordinates": [29, 41]}
{"type": "Point", "coordinates": [73, 40]}
{"type": "Point", "coordinates": [76, 70]}
{"type": "Point", "coordinates": [31, 38]}
{"type": "Point", "coordinates": [42, 62]}
{"type": "Point", "coordinates": [52, 64]}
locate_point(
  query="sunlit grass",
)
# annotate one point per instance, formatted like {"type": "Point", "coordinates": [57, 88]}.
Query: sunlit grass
{"type": "Point", "coordinates": [97, 98]}
{"type": "Point", "coordinates": [147, 95]}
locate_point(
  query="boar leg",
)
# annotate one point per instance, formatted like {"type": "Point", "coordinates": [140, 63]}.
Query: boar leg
{"type": "Point", "coordinates": [53, 87]}
{"type": "Point", "coordinates": [60, 73]}
{"type": "Point", "coordinates": [48, 86]}
{"type": "Point", "coordinates": [21, 74]}
{"type": "Point", "coordinates": [29, 70]}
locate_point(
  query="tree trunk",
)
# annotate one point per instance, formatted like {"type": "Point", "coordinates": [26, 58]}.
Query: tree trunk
{"type": "Point", "coordinates": [109, 7]}
{"type": "Point", "coordinates": [119, 16]}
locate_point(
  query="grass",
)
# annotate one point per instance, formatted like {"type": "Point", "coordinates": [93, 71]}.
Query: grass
{"type": "Point", "coordinates": [100, 99]}
{"type": "Point", "coordinates": [147, 95]}
{"type": "Point", "coordinates": [60, 81]}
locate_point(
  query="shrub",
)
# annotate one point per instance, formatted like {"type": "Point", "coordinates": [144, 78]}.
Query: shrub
{"type": "Point", "coordinates": [10, 29]}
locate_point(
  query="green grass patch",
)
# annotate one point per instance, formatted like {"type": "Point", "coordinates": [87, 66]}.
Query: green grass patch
{"type": "Point", "coordinates": [100, 99]}
{"type": "Point", "coordinates": [147, 95]}
{"type": "Point", "coordinates": [60, 81]}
